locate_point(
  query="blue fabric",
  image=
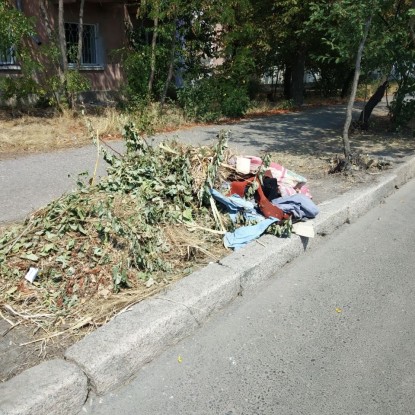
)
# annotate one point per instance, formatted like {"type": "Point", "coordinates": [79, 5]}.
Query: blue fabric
{"type": "Point", "coordinates": [235, 204]}
{"type": "Point", "coordinates": [299, 205]}
{"type": "Point", "coordinates": [245, 234]}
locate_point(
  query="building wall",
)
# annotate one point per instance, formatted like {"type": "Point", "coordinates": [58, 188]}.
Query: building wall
{"type": "Point", "coordinates": [109, 18]}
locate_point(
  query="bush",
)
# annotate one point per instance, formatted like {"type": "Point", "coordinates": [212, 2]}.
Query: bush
{"type": "Point", "coordinates": [235, 100]}
{"type": "Point", "coordinates": [402, 111]}
{"type": "Point", "coordinates": [209, 99]}
{"type": "Point", "coordinates": [136, 65]}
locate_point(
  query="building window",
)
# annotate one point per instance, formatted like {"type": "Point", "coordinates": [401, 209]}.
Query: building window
{"type": "Point", "coordinates": [90, 44]}
{"type": "Point", "coordinates": [7, 56]}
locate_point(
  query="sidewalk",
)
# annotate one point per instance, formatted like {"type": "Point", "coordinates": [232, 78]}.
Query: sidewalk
{"type": "Point", "coordinates": [30, 182]}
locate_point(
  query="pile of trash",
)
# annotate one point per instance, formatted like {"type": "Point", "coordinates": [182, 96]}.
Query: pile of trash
{"type": "Point", "coordinates": [262, 196]}
{"type": "Point", "coordinates": [159, 214]}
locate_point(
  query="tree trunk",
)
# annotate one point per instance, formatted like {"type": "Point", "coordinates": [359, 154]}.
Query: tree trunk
{"type": "Point", "coordinates": [127, 22]}
{"type": "Point", "coordinates": [346, 141]}
{"type": "Point", "coordinates": [371, 104]}
{"type": "Point", "coordinates": [62, 40]}
{"type": "Point", "coordinates": [80, 34]}
{"type": "Point", "coordinates": [171, 68]}
{"type": "Point", "coordinates": [298, 78]}
{"type": "Point", "coordinates": [287, 82]}
{"type": "Point", "coordinates": [346, 84]}
{"type": "Point", "coordinates": [153, 56]}
{"type": "Point", "coordinates": [45, 17]}
{"type": "Point", "coordinates": [63, 68]}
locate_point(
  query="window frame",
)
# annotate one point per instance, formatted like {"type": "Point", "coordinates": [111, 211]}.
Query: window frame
{"type": "Point", "coordinates": [11, 63]}
{"type": "Point", "coordinates": [99, 64]}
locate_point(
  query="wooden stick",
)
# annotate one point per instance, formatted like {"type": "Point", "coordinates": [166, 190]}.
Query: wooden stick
{"type": "Point", "coordinates": [96, 161]}
{"type": "Point", "coordinates": [194, 225]}
{"type": "Point", "coordinates": [216, 214]}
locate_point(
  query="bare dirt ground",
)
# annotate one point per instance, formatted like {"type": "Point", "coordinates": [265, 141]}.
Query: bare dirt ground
{"type": "Point", "coordinates": [19, 345]}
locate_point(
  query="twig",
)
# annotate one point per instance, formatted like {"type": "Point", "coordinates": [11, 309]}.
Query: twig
{"type": "Point", "coordinates": [193, 225]}
{"type": "Point", "coordinates": [6, 319]}
{"type": "Point", "coordinates": [228, 166]}
{"type": "Point", "coordinates": [216, 214]}
{"type": "Point", "coordinates": [17, 239]}
{"type": "Point", "coordinates": [10, 328]}
{"type": "Point", "coordinates": [111, 148]}
{"type": "Point", "coordinates": [44, 338]}
{"type": "Point", "coordinates": [78, 325]}
{"type": "Point", "coordinates": [127, 307]}
{"type": "Point", "coordinates": [167, 149]}
{"type": "Point", "coordinates": [96, 161]}
{"type": "Point", "coordinates": [26, 316]}
{"type": "Point", "coordinates": [205, 251]}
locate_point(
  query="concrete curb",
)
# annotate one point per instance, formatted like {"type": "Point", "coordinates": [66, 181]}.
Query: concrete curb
{"type": "Point", "coordinates": [114, 353]}
{"type": "Point", "coordinates": [53, 387]}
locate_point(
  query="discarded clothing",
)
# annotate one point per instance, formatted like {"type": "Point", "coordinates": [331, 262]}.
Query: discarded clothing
{"type": "Point", "coordinates": [300, 206]}
{"type": "Point", "coordinates": [245, 234]}
{"type": "Point", "coordinates": [270, 188]}
{"type": "Point", "coordinates": [241, 236]}
{"type": "Point", "coordinates": [235, 204]}
{"type": "Point", "coordinates": [264, 205]}
{"type": "Point", "coordinates": [289, 182]}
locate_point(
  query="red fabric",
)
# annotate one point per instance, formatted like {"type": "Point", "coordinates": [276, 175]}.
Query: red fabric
{"type": "Point", "coordinates": [265, 206]}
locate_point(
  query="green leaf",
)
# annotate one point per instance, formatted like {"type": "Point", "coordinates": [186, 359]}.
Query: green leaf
{"type": "Point", "coordinates": [82, 230]}
{"type": "Point", "coordinates": [11, 291]}
{"type": "Point", "coordinates": [49, 247]}
{"type": "Point", "coordinates": [187, 214]}
{"type": "Point", "coordinates": [30, 257]}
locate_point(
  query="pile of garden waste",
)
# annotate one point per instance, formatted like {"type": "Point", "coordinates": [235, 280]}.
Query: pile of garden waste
{"type": "Point", "coordinates": [158, 215]}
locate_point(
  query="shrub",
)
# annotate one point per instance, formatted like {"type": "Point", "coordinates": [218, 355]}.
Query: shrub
{"type": "Point", "coordinates": [209, 99]}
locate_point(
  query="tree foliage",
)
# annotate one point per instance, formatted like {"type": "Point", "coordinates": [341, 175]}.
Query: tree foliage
{"type": "Point", "coordinates": [219, 50]}
{"type": "Point", "coordinates": [43, 72]}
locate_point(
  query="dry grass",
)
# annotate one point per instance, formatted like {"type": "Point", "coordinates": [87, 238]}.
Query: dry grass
{"type": "Point", "coordinates": [32, 133]}
{"type": "Point", "coordinates": [44, 335]}
{"type": "Point", "coordinates": [47, 131]}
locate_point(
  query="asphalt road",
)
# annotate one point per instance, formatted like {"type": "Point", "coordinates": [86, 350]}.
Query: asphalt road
{"type": "Point", "coordinates": [28, 183]}
{"type": "Point", "coordinates": [332, 333]}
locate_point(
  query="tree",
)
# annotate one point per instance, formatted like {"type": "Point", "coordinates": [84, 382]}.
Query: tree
{"type": "Point", "coordinates": [80, 33]}
{"type": "Point", "coordinates": [346, 141]}
{"type": "Point", "coordinates": [412, 22]}
{"type": "Point", "coordinates": [293, 48]}
{"type": "Point", "coordinates": [16, 40]}
{"type": "Point", "coordinates": [347, 24]}
{"type": "Point", "coordinates": [62, 41]}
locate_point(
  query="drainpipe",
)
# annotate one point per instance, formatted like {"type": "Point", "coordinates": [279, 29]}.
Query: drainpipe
{"type": "Point", "coordinates": [19, 5]}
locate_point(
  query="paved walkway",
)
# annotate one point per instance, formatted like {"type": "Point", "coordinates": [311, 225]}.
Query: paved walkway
{"type": "Point", "coordinates": [28, 183]}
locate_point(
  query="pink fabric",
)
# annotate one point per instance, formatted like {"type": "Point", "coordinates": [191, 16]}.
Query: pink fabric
{"type": "Point", "coordinates": [289, 182]}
